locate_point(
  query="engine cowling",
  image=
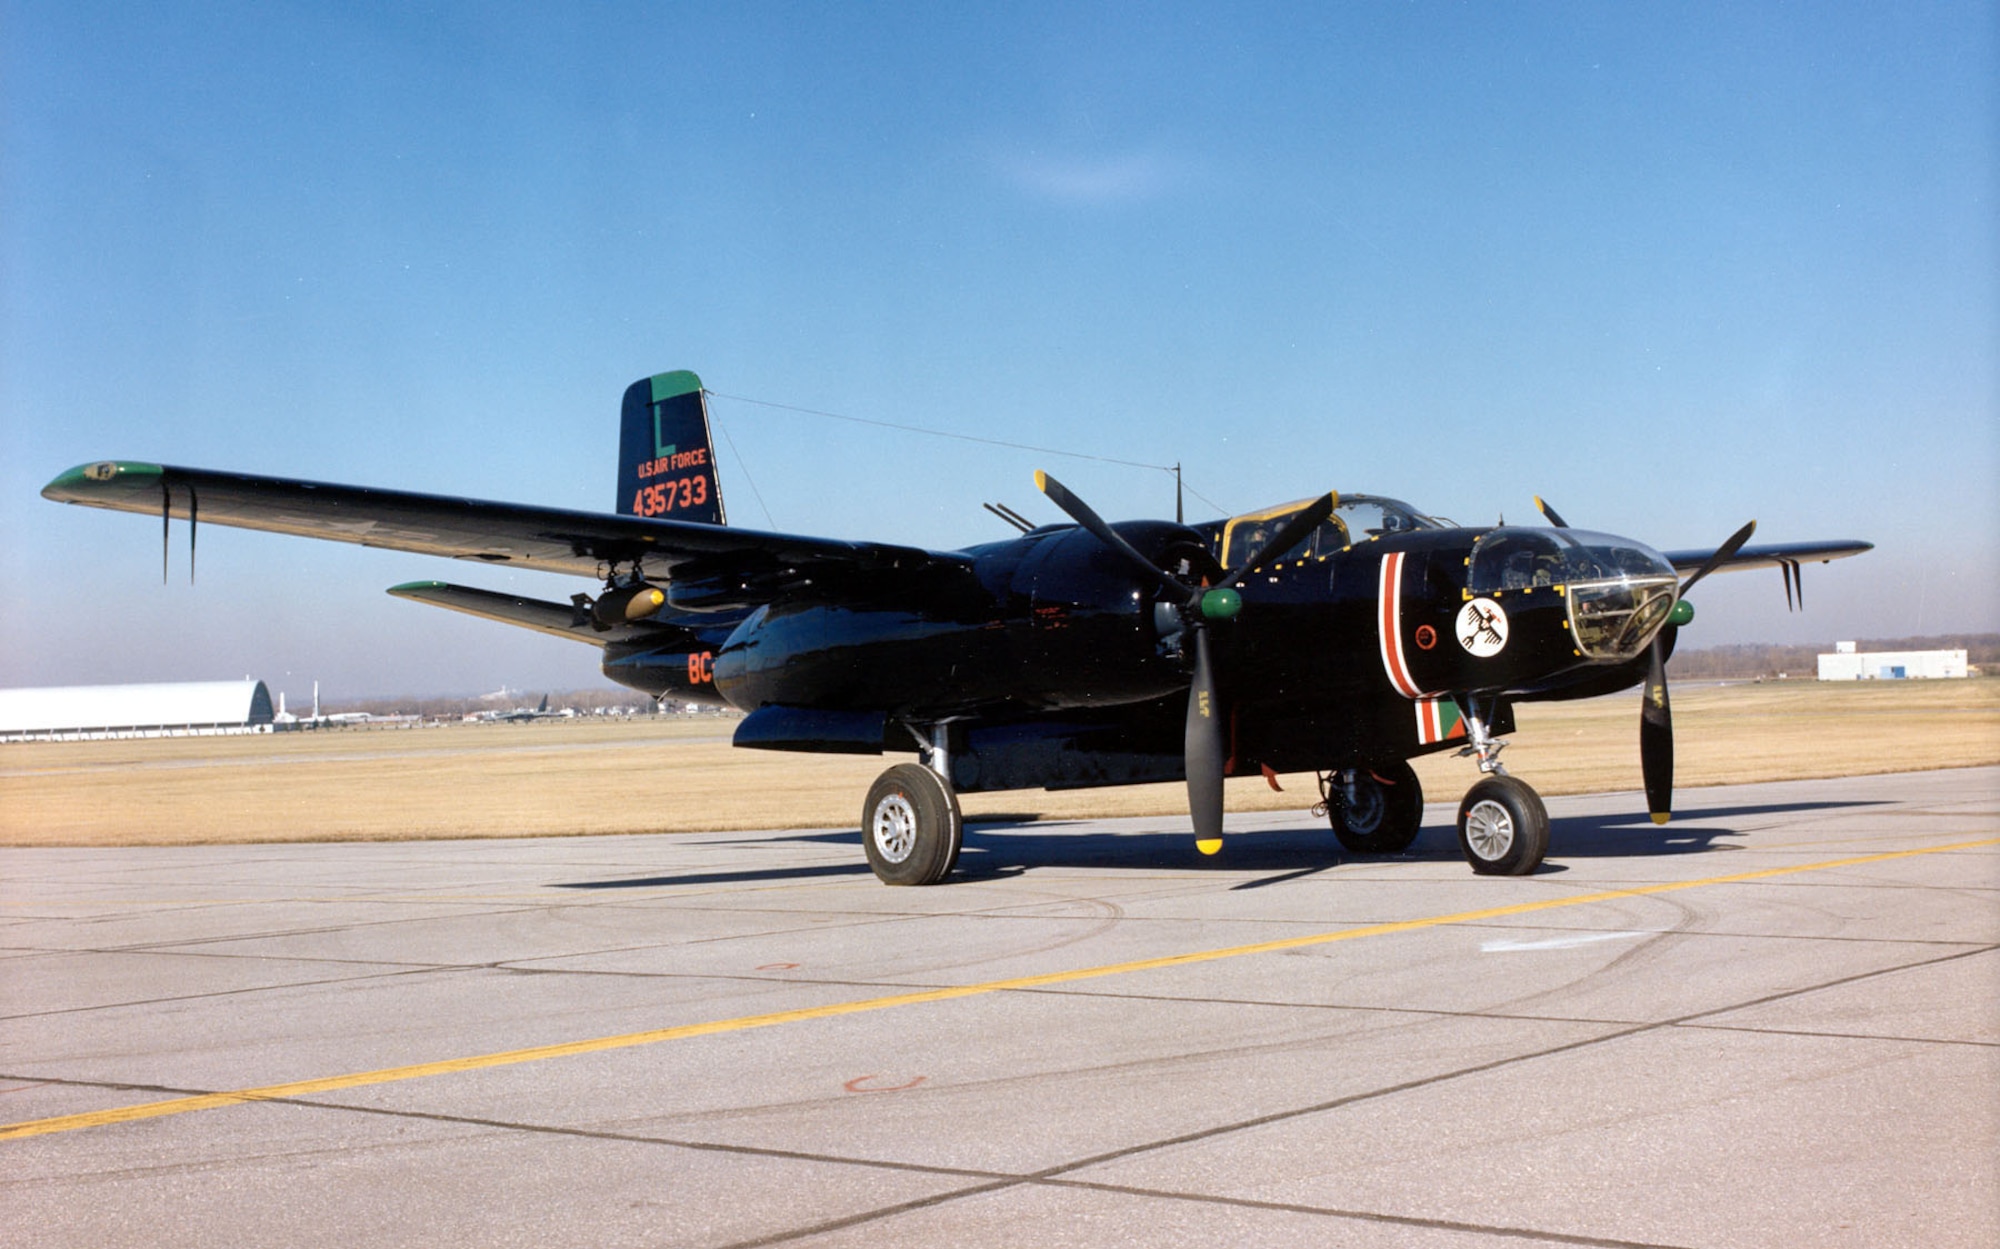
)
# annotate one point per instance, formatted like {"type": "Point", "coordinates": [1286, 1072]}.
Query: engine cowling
{"type": "Point", "coordinates": [1050, 620]}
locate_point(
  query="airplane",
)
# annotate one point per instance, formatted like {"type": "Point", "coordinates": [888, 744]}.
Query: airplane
{"type": "Point", "coordinates": [1343, 634]}
{"type": "Point", "coordinates": [520, 714]}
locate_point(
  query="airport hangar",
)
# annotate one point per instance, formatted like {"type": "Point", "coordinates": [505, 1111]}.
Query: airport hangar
{"type": "Point", "coordinates": [181, 709]}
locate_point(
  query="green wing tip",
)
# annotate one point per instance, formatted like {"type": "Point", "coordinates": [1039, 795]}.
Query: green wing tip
{"type": "Point", "coordinates": [415, 587]}
{"type": "Point", "coordinates": [92, 478]}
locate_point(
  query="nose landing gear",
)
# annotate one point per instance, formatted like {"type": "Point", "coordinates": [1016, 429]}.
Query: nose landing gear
{"type": "Point", "coordinates": [1503, 828]}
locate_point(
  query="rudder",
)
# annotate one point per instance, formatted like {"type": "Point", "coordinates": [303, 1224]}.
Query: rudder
{"type": "Point", "coordinates": [666, 457]}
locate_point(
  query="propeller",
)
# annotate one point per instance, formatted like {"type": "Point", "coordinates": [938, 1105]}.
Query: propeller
{"type": "Point", "coordinates": [1204, 746]}
{"type": "Point", "coordinates": [1656, 720]}
{"type": "Point", "coordinates": [1721, 556]}
{"type": "Point", "coordinates": [1656, 734]}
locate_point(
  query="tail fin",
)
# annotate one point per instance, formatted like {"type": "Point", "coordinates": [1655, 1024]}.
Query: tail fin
{"type": "Point", "coordinates": [666, 462]}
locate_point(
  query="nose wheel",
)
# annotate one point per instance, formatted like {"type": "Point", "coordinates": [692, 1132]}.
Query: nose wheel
{"type": "Point", "coordinates": [1503, 828]}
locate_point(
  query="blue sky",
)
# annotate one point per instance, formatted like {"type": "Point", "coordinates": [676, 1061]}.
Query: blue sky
{"type": "Point", "coordinates": [1670, 267]}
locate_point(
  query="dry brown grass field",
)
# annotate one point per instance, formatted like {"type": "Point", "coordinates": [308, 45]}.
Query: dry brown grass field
{"type": "Point", "coordinates": [582, 777]}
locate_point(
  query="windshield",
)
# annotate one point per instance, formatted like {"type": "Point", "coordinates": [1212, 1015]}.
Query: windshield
{"type": "Point", "coordinates": [1619, 591]}
{"type": "Point", "coordinates": [1356, 518]}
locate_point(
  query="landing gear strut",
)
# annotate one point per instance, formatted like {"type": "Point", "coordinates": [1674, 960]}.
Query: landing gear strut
{"type": "Point", "coordinates": [1503, 828]}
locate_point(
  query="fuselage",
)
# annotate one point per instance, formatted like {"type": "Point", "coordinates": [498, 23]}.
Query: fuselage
{"type": "Point", "coordinates": [1338, 636]}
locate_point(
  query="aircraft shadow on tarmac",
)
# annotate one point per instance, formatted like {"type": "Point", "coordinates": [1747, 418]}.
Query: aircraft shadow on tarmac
{"type": "Point", "coordinates": [1012, 845]}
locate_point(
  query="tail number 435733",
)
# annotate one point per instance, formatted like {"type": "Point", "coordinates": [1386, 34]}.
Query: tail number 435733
{"type": "Point", "coordinates": [668, 496]}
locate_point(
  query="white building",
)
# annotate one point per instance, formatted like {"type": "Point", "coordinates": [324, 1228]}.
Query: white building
{"type": "Point", "coordinates": [78, 712]}
{"type": "Point", "coordinates": [1850, 664]}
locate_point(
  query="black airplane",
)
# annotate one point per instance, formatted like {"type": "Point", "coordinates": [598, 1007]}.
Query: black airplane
{"type": "Point", "coordinates": [1343, 635]}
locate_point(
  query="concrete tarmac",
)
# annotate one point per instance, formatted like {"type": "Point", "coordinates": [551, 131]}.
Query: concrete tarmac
{"type": "Point", "coordinates": [1775, 1021]}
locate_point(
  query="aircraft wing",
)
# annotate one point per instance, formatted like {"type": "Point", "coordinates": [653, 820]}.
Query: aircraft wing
{"type": "Point", "coordinates": [1772, 555]}
{"type": "Point", "coordinates": [549, 539]}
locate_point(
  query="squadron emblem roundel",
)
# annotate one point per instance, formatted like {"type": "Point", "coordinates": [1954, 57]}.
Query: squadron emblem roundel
{"type": "Point", "coordinates": [1482, 627]}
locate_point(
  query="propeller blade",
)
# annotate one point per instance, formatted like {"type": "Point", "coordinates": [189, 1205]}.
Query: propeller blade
{"type": "Point", "coordinates": [1080, 512]}
{"type": "Point", "coordinates": [1288, 536]}
{"type": "Point", "coordinates": [1722, 553]}
{"type": "Point", "coordinates": [1204, 749]}
{"type": "Point", "coordinates": [1656, 735]}
{"type": "Point", "coordinates": [1543, 507]}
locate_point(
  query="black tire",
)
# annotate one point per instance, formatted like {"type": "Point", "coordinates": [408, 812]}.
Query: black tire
{"type": "Point", "coordinates": [1387, 811]}
{"type": "Point", "coordinates": [911, 826]}
{"type": "Point", "coordinates": [1503, 828]}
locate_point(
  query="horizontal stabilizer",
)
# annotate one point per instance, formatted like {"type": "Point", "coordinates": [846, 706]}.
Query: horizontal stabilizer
{"type": "Point", "coordinates": [561, 620]}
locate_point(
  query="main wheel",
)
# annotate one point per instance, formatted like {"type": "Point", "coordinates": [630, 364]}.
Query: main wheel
{"type": "Point", "coordinates": [910, 826]}
{"type": "Point", "coordinates": [1503, 828]}
{"type": "Point", "coordinates": [1383, 818]}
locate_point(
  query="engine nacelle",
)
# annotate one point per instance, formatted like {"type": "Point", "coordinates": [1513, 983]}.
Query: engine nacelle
{"type": "Point", "coordinates": [1051, 620]}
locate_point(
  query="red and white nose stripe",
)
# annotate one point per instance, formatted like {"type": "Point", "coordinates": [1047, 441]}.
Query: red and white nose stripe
{"type": "Point", "coordinates": [1389, 622]}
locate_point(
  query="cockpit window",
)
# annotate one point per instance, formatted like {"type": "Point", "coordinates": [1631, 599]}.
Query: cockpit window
{"type": "Point", "coordinates": [1356, 518]}
{"type": "Point", "coordinates": [1619, 592]}
{"type": "Point", "coordinates": [1372, 516]}
{"type": "Point", "coordinates": [1519, 559]}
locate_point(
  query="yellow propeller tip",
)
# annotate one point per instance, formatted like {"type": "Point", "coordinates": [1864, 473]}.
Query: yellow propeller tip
{"type": "Point", "coordinates": [1208, 845]}
{"type": "Point", "coordinates": [1661, 817]}
{"type": "Point", "coordinates": [1041, 481]}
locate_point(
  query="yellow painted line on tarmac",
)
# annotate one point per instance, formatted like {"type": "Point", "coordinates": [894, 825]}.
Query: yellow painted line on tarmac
{"type": "Point", "coordinates": [567, 1049]}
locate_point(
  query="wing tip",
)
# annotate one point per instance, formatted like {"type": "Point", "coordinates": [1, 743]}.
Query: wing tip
{"type": "Point", "coordinates": [85, 481]}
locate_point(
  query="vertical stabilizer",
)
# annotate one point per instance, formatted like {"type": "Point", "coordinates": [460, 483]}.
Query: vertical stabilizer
{"type": "Point", "coordinates": [666, 463]}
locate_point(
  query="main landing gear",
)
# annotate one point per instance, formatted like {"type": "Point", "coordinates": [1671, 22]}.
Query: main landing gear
{"type": "Point", "coordinates": [1374, 810]}
{"type": "Point", "coordinates": [1503, 828]}
{"type": "Point", "coordinates": [911, 826]}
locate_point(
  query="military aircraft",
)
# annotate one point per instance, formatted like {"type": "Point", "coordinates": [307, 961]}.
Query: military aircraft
{"type": "Point", "coordinates": [519, 714]}
{"type": "Point", "coordinates": [1344, 634]}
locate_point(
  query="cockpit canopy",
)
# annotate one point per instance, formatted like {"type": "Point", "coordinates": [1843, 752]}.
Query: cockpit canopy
{"type": "Point", "coordinates": [1619, 591]}
{"type": "Point", "coordinates": [1356, 518]}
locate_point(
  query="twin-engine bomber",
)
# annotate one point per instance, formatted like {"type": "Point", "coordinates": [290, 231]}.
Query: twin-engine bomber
{"type": "Point", "coordinates": [1342, 635]}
